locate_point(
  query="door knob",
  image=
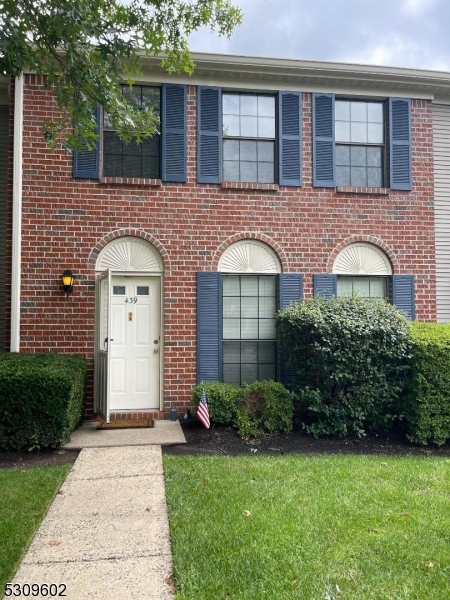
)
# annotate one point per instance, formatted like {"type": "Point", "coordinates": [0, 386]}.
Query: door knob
{"type": "Point", "coordinates": [105, 343]}
{"type": "Point", "coordinates": [155, 351]}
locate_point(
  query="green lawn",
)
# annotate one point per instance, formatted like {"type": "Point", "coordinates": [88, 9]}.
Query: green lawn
{"type": "Point", "coordinates": [25, 495]}
{"type": "Point", "coordinates": [295, 527]}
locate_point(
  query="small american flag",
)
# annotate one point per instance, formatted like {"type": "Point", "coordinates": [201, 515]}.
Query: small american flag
{"type": "Point", "coordinates": [202, 410]}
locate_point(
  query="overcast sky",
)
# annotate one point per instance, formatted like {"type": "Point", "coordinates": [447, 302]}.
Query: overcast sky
{"type": "Point", "coordinates": [403, 33]}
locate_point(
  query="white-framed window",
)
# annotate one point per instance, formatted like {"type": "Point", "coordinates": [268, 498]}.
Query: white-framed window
{"type": "Point", "coordinates": [363, 286]}
{"type": "Point", "coordinates": [249, 336]}
{"type": "Point", "coordinates": [139, 160]}
{"type": "Point", "coordinates": [359, 143]}
{"type": "Point", "coordinates": [362, 269]}
{"type": "Point", "coordinates": [249, 303]}
{"type": "Point", "coordinates": [248, 137]}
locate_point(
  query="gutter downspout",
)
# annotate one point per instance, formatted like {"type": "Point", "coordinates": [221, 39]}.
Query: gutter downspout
{"type": "Point", "coordinates": [16, 265]}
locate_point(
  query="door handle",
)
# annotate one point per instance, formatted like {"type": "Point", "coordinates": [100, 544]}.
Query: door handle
{"type": "Point", "coordinates": [105, 343]}
{"type": "Point", "coordinates": [155, 351]}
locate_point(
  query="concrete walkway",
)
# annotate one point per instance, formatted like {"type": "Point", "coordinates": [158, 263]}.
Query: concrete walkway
{"type": "Point", "coordinates": [165, 433]}
{"type": "Point", "coordinates": [106, 534]}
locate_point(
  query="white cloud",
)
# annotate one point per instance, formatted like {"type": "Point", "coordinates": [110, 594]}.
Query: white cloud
{"type": "Point", "coordinates": [392, 51]}
{"type": "Point", "coordinates": [403, 33]}
{"type": "Point", "coordinates": [397, 51]}
{"type": "Point", "coordinates": [418, 7]}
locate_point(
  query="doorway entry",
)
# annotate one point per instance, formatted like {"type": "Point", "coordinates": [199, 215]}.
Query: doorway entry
{"type": "Point", "coordinates": [128, 339]}
{"type": "Point", "coordinates": [135, 343]}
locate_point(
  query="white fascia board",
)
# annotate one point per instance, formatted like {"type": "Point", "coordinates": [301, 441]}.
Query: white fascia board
{"type": "Point", "coordinates": [308, 75]}
{"type": "Point", "coordinates": [317, 68]}
{"type": "Point", "coordinates": [273, 86]}
{"type": "Point", "coordinates": [288, 74]}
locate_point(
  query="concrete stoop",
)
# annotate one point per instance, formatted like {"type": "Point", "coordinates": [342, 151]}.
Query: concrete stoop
{"type": "Point", "coordinates": [164, 433]}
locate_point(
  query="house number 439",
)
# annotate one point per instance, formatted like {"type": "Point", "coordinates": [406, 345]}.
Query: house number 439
{"type": "Point", "coordinates": [131, 300]}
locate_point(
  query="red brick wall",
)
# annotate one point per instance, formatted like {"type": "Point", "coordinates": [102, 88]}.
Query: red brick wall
{"type": "Point", "coordinates": [65, 219]}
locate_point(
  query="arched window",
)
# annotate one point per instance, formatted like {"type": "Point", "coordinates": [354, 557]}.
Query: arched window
{"type": "Point", "coordinates": [362, 269]}
{"type": "Point", "coordinates": [249, 303]}
{"type": "Point", "coordinates": [129, 254]}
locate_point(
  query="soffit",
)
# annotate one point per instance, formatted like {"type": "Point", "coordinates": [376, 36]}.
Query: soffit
{"type": "Point", "coordinates": [308, 75]}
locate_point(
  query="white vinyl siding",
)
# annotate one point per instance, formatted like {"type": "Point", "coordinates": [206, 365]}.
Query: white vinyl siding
{"type": "Point", "coordinates": [441, 133]}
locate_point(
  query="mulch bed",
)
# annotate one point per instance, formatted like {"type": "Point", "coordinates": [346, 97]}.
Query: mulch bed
{"type": "Point", "coordinates": [37, 459]}
{"type": "Point", "coordinates": [222, 440]}
{"type": "Point", "coordinates": [225, 441]}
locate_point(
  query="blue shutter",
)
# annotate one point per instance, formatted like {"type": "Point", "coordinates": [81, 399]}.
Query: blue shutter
{"type": "Point", "coordinates": [86, 163]}
{"type": "Point", "coordinates": [400, 143]}
{"type": "Point", "coordinates": [290, 290]}
{"type": "Point", "coordinates": [209, 135]}
{"type": "Point", "coordinates": [209, 326]}
{"type": "Point", "coordinates": [290, 138]}
{"type": "Point", "coordinates": [325, 286]}
{"type": "Point", "coordinates": [403, 294]}
{"type": "Point", "coordinates": [323, 140]}
{"type": "Point", "coordinates": [173, 129]}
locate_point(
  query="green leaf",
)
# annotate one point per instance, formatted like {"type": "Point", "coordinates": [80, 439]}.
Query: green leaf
{"type": "Point", "coordinates": [85, 48]}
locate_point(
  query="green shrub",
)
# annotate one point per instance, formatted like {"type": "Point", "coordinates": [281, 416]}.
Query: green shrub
{"type": "Point", "coordinates": [41, 399]}
{"type": "Point", "coordinates": [222, 398]}
{"type": "Point", "coordinates": [349, 359]}
{"type": "Point", "coordinates": [427, 407]}
{"type": "Point", "coordinates": [265, 407]}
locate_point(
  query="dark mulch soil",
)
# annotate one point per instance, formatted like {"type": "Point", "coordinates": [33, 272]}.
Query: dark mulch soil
{"type": "Point", "coordinates": [225, 441]}
{"type": "Point", "coordinates": [37, 459]}
{"type": "Point", "coordinates": [222, 440]}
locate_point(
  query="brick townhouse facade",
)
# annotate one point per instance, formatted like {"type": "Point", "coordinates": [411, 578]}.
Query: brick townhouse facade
{"type": "Point", "coordinates": [271, 180]}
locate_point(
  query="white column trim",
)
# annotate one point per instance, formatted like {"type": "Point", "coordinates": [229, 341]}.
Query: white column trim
{"type": "Point", "coordinates": [16, 269]}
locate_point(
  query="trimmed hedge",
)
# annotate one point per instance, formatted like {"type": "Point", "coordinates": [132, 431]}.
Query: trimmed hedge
{"type": "Point", "coordinates": [223, 400]}
{"type": "Point", "coordinates": [41, 399]}
{"type": "Point", "coordinates": [266, 407]}
{"type": "Point", "coordinates": [254, 409]}
{"type": "Point", "coordinates": [350, 358]}
{"type": "Point", "coordinates": [427, 406]}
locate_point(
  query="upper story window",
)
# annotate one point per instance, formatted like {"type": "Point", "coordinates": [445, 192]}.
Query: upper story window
{"type": "Point", "coordinates": [362, 143]}
{"type": "Point", "coordinates": [162, 157]}
{"type": "Point", "coordinates": [359, 137]}
{"type": "Point", "coordinates": [248, 138]}
{"type": "Point", "coordinates": [141, 160]}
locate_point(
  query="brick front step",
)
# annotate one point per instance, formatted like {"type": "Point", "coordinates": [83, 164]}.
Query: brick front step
{"type": "Point", "coordinates": [131, 415]}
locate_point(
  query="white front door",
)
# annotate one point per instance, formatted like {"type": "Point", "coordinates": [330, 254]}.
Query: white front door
{"type": "Point", "coordinates": [135, 343]}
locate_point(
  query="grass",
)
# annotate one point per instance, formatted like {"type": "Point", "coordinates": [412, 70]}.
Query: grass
{"type": "Point", "coordinates": [25, 495]}
{"type": "Point", "coordinates": [295, 527]}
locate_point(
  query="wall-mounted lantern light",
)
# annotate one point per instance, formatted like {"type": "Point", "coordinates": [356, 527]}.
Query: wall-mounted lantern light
{"type": "Point", "coordinates": [67, 279]}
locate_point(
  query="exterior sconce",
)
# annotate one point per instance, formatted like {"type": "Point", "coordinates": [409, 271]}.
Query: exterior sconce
{"type": "Point", "coordinates": [67, 279]}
